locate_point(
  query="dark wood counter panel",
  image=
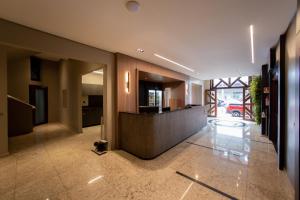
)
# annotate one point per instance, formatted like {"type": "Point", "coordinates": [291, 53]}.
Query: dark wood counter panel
{"type": "Point", "coordinates": [149, 135]}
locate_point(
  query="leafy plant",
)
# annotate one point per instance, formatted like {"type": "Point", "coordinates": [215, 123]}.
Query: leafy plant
{"type": "Point", "coordinates": [256, 94]}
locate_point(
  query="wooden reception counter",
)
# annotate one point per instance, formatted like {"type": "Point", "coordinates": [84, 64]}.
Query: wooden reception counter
{"type": "Point", "coordinates": [149, 135]}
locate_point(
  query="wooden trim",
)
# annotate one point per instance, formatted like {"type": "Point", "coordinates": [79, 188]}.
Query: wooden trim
{"type": "Point", "coordinates": [217, 84]}
{"type": "Point", "coordinates": [212, 102]}
{"type": "Point", "coordinates": [230, 85]}
{"type": "Point", "coordinates": [236, 80]}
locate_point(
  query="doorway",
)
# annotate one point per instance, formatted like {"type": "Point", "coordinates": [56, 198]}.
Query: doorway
{"type": "Point", "coordinates": [230, 98]}
{"type": "Point", "coordinates": [92, 98]}
{"type": "Point", "coordinates": [38, 97]}
{"type": "Point", "coordinates": [230, 103]}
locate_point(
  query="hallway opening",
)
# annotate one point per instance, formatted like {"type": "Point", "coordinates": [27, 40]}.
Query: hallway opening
{"type": "Point", "coordinates": [92, 98]}
{"type": "Point", "coordinates": [229, 98]}
{"type": "Point", "coordinates": [46, 92]}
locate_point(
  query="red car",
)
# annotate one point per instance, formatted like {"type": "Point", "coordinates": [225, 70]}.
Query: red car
{"type": "Point", "coordinates": [236, 110]}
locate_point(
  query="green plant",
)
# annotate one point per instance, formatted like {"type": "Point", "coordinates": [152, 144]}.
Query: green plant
{"type": "Point", "coordinates": [256, 95]}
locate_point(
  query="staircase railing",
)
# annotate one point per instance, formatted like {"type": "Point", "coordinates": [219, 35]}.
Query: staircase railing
{"type": "Point", "coordinates": [20, 117]}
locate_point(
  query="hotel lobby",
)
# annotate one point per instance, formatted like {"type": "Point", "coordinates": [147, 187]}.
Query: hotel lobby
{"type": "Point", "coordinates": [149, 100]}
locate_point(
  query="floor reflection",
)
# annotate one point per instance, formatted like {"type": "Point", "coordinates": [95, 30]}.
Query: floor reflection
{"type": "Point", "coordinates": [54, 163]}
{"type": "Point", "coordinates": [231, 138]}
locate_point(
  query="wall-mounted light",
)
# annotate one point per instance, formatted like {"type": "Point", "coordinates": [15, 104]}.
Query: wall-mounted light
{"type": "Point", "coordinates": [127, 82]}
{"type": "Point", "coordinates": [186, 89]}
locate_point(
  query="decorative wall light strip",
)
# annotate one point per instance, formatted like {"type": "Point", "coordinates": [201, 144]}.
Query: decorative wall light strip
{"type": "Point", "coordinates": [252, 43]}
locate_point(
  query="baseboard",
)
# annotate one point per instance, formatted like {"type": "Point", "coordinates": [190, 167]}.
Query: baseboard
{"type": "Point", "coordinates": [4, 154]}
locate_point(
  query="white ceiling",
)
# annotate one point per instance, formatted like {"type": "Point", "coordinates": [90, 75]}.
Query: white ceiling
{"type": "Point", "coordinates": [210, 36]}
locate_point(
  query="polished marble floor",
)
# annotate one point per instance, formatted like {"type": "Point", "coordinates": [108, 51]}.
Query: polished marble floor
{"type": "Point", "coordinates": [230, 157]}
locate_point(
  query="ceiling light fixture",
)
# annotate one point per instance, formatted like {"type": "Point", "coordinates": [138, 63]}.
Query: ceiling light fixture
{"type": "Point", "coordinates": [133, 6]}
{"type": "Point", "coordinates": [176, 63]}
{"type": "Point", "coordinates": [140, 50]}
{"type": "Point", "coordinates": [252, 43]}
{"type": "Point", "coordinates": [95, 179]}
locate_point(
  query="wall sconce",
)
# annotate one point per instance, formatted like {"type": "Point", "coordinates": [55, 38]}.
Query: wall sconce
{"type": "Point", "coordinates": [187, 89]}
{"type": "Point", "coordinates": [127, 82]}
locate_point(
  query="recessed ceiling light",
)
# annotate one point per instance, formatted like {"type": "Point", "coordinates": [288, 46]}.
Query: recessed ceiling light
{"type": "Point", "coordinates": [176, 63]}
{"type": "Point", "coordinates": [252, 43]}
{"type": "Point", "coordinates": [95, 179]}
{"type": "Point", "coordinates": [140, 50]}
{"type": "Point", "coordinates": [133, 6]}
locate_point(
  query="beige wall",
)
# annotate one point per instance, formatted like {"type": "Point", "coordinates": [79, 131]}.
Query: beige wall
{"type": "Point", "coordinates": [92, 78]}
{"type": "Point", "coordinates": [50, 79]}
{"type": "Point", "coordinates": [70, 83]}
{"type": "Point", "coordinates": [14, 35]}
{"type": "Point", "coordinates": [207, 85]}
{"type": "Point", "coordinates": [69, 86]}
{"type": "Point", "coordinates": [3, 105]}
{"type": "Point", "coordinates": [18, 72]}
{"type": "Point", "coordinates": [196, 94]}
{"type": "Point", "coordinates": [18, 78]}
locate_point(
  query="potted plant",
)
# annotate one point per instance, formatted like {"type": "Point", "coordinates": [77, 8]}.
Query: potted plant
{"type": "Point", "coordinates": [256, 95]}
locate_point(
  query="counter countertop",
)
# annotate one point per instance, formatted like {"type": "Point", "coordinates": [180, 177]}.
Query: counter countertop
{"type": "Point", "coordinates": [155, 113]}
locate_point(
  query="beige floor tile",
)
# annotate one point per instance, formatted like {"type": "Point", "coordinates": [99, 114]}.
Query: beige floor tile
{"type": "Point", "coordinates": [93, 191]}
{"type": "Point", "coordinates": [199, 192]}
{"type": "Point", "coordinates": [9, 195]}
{"type": "Point", "coordinates": [7, 177]}
{"type": "Point", "coordinates": [233, 186]}
{"type": "Point", "coordinates": [57, 164]}
{"type": "Point", "coordinates": [257, 192]}
{"type": "Point", "coordinates": [41, 189]}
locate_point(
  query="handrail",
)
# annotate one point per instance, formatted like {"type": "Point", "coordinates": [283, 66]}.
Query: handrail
{"type": "Point", "coordinates": [21, 101]}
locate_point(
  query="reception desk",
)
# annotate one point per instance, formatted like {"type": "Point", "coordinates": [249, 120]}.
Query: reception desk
{"type": "Point", "coordinates": [150, 134]}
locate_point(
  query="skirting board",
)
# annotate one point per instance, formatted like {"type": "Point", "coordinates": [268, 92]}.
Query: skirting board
{"type": "Point", "coordinates": [4, 154]}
